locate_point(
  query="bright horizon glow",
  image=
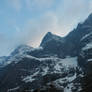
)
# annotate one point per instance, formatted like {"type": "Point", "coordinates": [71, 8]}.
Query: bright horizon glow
{"type": "Point", "coordinates": [27, 21]}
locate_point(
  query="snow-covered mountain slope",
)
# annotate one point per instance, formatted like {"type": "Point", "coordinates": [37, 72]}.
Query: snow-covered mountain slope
{"type": "Point", "coordinates": [58, 65]}
{"type": "Point", "coordinates": [30, 71]}
{"type": "Point", "coordinates": [19, 53]}
{"type": "Point", "coordinates": [22, 49]}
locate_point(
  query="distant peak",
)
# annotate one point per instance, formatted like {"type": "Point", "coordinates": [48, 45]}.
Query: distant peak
{"type": "Point", "coordinates": [48, 34]}
{"type": "Point", "coordinates": [48, 37]}
{"type": "Point", "coordinates": [21, 49]}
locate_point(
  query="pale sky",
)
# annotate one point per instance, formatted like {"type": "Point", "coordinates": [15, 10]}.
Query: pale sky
{"type": "Point", "coordinates": [27, 21]}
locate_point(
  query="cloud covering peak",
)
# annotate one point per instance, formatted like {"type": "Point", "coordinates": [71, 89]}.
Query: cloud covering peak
{"type": "Point", "coordinates": [27, 21]}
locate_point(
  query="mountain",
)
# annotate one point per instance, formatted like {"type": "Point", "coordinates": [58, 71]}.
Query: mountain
{"type": "Point", "coordinates": [50, 37]}
{"type": "Point", "coordinates": [20, 51]}
{"type": "Point", "coordinates": [60, 64]}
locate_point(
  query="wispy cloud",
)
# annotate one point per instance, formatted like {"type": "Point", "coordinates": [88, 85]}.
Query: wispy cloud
{"type": "Point", "coordinates": [31, 4]}
{"type": "Point", "coordinates": [64, 19]}
{"type": "Point", "coordinates": [39, 4]}
{"type": "Point", "coordinates": [16, 4]}
{"type": "Point", "coordinates": [61, 20]}
{"type": "Point", "coordinates": [37, 17]}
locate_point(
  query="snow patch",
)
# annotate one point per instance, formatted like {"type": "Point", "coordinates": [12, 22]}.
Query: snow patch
{"type": "Point", "coordinates": [45, 71]}
{"type": "Point", "coordinates": [58, 67]}
{"type": "Point", "coordinates": [30, 77]}
{"type": "Point", "coordinates": [88, 46]}
{"type": "Point", "coordinates": [70, 79]}
{"type": "Point", "coordinates": [13, 89]}
{"type": "Point", "coordinates": [87, 35]}
{"type": "Point", "coordinates": [89, 60]}
{"type": "Point", "coordinates": [68, 88]}
{"type": "Point", "coordinates": [69, 61]}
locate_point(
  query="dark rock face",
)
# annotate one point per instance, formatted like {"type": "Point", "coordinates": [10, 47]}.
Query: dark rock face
{"type": "Point", "coordinates": [85, 55]}
{"type": "Point", "coordinates": [53, 44]}
{"type": "Point", "coordinates": [58, 65]}
{"type": "Point", "coordinates": [69, 45]}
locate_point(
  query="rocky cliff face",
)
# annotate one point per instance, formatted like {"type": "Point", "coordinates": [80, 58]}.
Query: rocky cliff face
{"type": "Point", "coordinates": [58, 65]}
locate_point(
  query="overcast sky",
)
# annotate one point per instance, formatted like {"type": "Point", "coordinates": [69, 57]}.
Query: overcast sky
{"type": "Point", "coordinates": [27, 21]}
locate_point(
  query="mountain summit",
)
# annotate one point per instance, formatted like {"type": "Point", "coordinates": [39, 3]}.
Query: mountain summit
{"type": "Point", "coordinates": [48, 37]}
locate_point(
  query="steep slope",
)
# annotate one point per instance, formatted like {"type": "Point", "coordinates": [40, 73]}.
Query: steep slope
{"type": "Point", "coordinates": [49, 37]}
{"type": "Point", "coordinates": [53, 44]}
{"type": "Point", "coordinates": [20, 51]}
{"type": "Point", "coordinates": [30, 71]}
{"type": "Point", "coordinates": [69, 45]}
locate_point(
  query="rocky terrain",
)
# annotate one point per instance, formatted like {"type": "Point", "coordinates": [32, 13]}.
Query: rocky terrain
{"type": "Point", "coordinates": [59, 64]}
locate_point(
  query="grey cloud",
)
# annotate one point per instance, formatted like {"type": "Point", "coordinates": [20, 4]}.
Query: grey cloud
{"type": "Point", "coordinates": [67, 15]}
{"type": "Point", "coordinates": [61, 21]}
